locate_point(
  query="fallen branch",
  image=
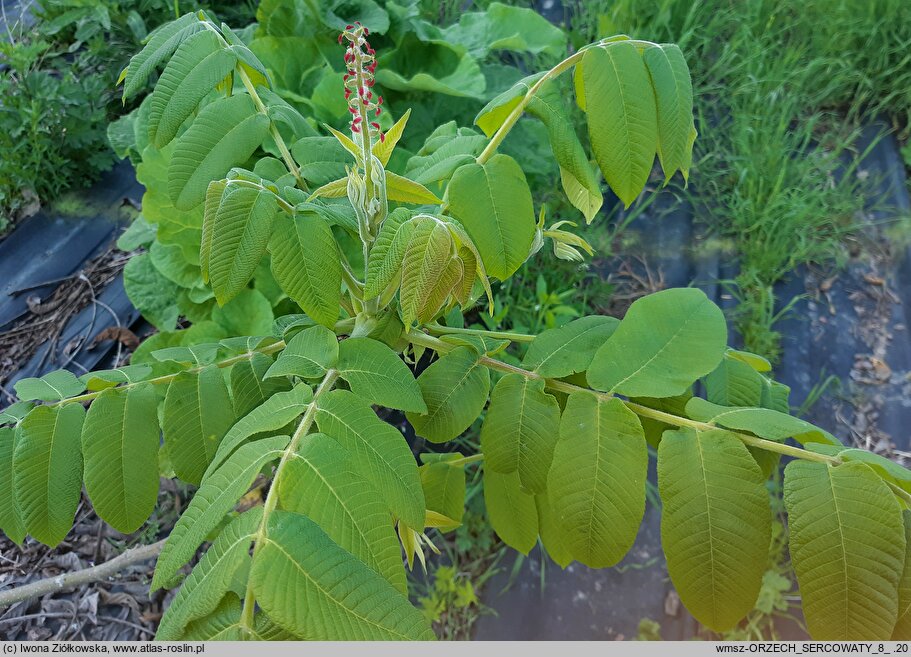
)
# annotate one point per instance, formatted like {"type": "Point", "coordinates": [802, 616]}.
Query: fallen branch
{"type": "Point", "coordinates": [80, 577]}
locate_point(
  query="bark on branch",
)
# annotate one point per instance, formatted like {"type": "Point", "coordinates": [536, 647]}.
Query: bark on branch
{"type": "Point", "coordinates": [80, 577]}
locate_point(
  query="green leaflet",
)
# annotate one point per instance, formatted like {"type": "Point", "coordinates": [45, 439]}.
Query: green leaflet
{"type": "Point", "coordinates": [223, 624]}
{"type": "Point", "coordinates": [401, 189]}
{"type": "Point", "coordinates": [120, 441]}
{"type": "Point", "coordinates": [902, 630]}
{"type": "Point", "coordinates": [376, 373]}
{"type": "Point", "coordinates": [576, 174]}
{"type": "Point", "coordinates": [321, 481]}
{"type": "Point", "coordinates": [764, 422]}
{"type": "Point", "coordinates": [493, 202]}
{"type": "Point", "coordinates": [383, 149]}
{"type": "Point", "coordinates": [455, 390]}
{"type": "Point", "coordinates": [552, 537]}
{"type": "Point", "coordinates": [47, 470]}
{"type": "Point", "coordinates": [597, 479]}
{"type": "Point", "coordinates": [511, 511]}
{"type": "Point", "coordinates": [197, 414]}
{"type": "Point", "coordinates": [495, 113]}
{"type": "Point", "coordinates": [569, 349]}
{"type": "Point", "coordinates": [249, 389]}
{"type": "Point", "coordinates": [151, 293]}
{"type": "Point", "coordinates": [162, 43]}
{"type": "Point", "coordinates": [305, 262]}
{"type": "Point", "coordinates": [214, 193]}
{"type": "Point", "coordinates": [102, 379]}
{"type": "Point", "coordinates": [321, 159]}
{"type": "Point", "coordinates": [387, 252]}
{"type": "Point", "coordinates": [10, 517]}
{"type": "Point", "coordinates": [734, 383]}
{"type": "Point", "coordinates": [215, 498]}
{"type": "Point", "coordinates": [198, 66]}
{"type": "Point", "coordinates": [674, 99]}
{"type": "Point", "coordinates": [427, 278]}
{"type": "Point", "coordinates": [224, 134]}
{"type": "Point", "coordinates": [308, 354]}
{"type": "Point", "coordinates": [310, 586]}
{"type": "Point", "coordinates": [847, 544]}
{"type": "Point", "coordinates": [437, 165]}
{"type": "Point", "coordinates": [665, 342]}
{"type": "Point", "coordinates": [273, 414]}
{"type": "Point", "coordinates": [622, 119]}
{"type": "Point", "coordinates": [444, 489]}
{"type": "Point", "coordinates": [239, 237]}
{"type": "Point", "coordinates": [15, 412]}
{"type": "Point", "coordinates": [211, 579]}
{"type": "Point", "coordinates": [53, 386]}
{"type": "Point", "coordinates": [715, 523]}
{"type": "Point", "coordinates": [520, 431]}
{"type": "Point", "coordinates": [382, 454]}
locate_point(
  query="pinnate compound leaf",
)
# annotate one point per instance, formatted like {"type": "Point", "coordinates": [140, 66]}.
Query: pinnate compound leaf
{"type": "Point", "coordinates": [847, 544]}
{"type": "Point", "coordinates": [273, 414]}
{"type": "Point", "coordinates": [674, 102]}
{"type": "Point", "coordinates": [162, 43]}
{"type": "Point", "coordinates": [321, 482]}
{"type": "Point", "coordinates": [764, 422]}
{"type": "Point", "coordinates": [10, 517]}
{"type": "Point", "coordinates": [376, 373]}
{"type": "Point", "coordinates": [716, 523]}
{"type": "Point", "coordinates": [665, 342]}
{"type": "Point", "coordinates": [120, 440]}
{"type": "Point", "coordinates": [47, 470]}
{"type": "Point", "coordinates": [198, 66]}
{"type": "Point", "coordinates": [211, 579]}
{"type": "Point", "coordinates": [224, 135]}
{"type": "Point", "coordinates": [579, 179]}
{"type": "Point", "coordinates": [309, 354]}
{"type": "Point", "coordinates": [455, 390]}
{"type": "Point", "coordinates": [305, 262]}
{"type": "Point", "coordinates": [218, 494]}
{"type": "Point", "coordinates": [597, 479]}
{"type": "Point", "coordinates": [53, 386]}
{"type": "Point", "coordinates": [622, 118]}
{"type": "Point", "coordinates": [521, 430]}
{"type": "Point", "coordinates": [511, 511]}
{"type": "Point", "coordinates": [197, 414]}
{"type": "Point", "coordinates": [312, 587]}
{"type": "Point", "coordinates": [569, 349]}
{"type": "Point", "coordinates": [239, 237]}
{"type": "Point", "coordinates": [493, 202]}
{"type": "Point", "coordinates": [380, 450]}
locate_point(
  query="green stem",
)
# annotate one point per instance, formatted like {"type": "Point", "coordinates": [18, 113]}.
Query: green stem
{"type": "Point", "coordinates": [167, 378]}
{"type": "Point", "coordinates": [436, 344]}
{"type": "Point", "coordinates": [516, 113]}
{"type": "Point", "coordinates": [502, 335]}
{"type": "Point", "coordinates": [246, 619]}
{"type": "Point", "coordinates": [465, 460]}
